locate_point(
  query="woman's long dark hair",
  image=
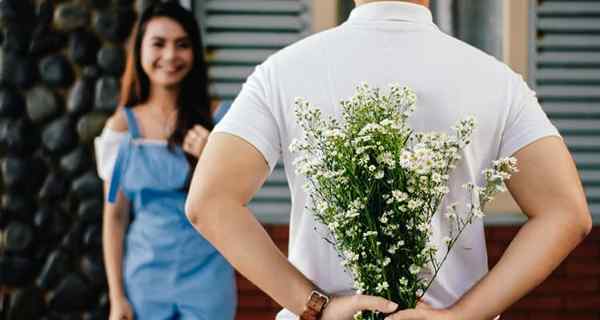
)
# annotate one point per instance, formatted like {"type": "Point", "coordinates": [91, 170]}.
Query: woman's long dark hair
{"type": "Point", "coordinates": [193, 103]}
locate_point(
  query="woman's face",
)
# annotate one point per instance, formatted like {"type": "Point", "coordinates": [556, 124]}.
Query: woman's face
{"type": "Point", "coordinates": [166, 52]}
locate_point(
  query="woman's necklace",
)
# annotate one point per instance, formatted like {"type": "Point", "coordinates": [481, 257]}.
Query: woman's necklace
{"type": "Point", "coordinates": [166, 124]}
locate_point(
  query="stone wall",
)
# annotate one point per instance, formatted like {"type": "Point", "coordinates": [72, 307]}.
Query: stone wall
{"type": "Point", "coordinates": [60, 64]}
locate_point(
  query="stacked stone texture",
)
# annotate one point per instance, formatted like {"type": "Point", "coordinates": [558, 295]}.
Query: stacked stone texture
{"type": "Point", "coordinates": [60, 68]}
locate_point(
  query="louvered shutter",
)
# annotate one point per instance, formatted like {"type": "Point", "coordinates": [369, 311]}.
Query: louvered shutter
{"type": "Point", "coordinates": [239, 34]}
{"type": "Point", "coordinates": [565, 70]}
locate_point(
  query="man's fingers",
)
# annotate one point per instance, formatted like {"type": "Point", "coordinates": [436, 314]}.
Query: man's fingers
{"type": "Point", "coordinates": [363, 302]}
{"type": "Point", "coordinates": [423, 305]}
{"type": "Point", "coordinates": [410, 314]}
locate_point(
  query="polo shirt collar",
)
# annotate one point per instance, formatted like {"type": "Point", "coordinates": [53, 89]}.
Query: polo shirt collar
{"type": "Point", "coordinates": [391, 11]}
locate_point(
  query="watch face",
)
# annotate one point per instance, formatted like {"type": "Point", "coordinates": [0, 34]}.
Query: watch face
{"type": "Point", "coordinates": [315, 305]}
{"type": "Point", "coordinates": [318, 300]}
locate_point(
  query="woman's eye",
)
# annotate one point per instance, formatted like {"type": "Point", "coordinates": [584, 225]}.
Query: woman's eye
{"type": "Point", "coordinates": [157, 44]}
{"type": "Point", "coordinates": [184, 45]}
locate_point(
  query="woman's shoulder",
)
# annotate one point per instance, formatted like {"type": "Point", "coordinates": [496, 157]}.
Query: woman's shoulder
{"type": "Point", "coordinates": [118, 121]}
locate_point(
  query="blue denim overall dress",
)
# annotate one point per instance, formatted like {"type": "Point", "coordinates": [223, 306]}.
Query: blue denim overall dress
{"type": "Point", "coordinates": [170, 271]}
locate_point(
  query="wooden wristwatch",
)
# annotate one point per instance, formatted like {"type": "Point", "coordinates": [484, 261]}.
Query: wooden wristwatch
{"type": "Point", "coordinates": [315, 305]}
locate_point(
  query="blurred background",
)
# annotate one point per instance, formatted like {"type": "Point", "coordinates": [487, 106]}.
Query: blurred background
{"type": "Point", "coordinates": [60, 67]}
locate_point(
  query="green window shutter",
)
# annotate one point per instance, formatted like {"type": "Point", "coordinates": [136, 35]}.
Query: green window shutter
{"type": "Point", "coordinates": [565, 70]}
{"type": "Point", "coordinates": [238, 35]}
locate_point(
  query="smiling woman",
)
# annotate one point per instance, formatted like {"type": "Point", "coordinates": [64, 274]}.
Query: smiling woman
{"type": "Point", "coordinates": [167, 54]}
{"type": "Point", "coordinates": [145, 156]}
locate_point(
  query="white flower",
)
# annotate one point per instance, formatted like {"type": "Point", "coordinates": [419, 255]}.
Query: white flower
{"type": "Point", "coordinates": [478, 213]}
{"type": "Point", "coordinates": [399, 196]}
{"type": "Point", "coordinates": [369, 234]}
{"type": "Point", "coordinates": [414, 269]}
{"type": "Point", "coordinates": [386, 261]}
{"type": "Point", "coordinates": [447, 240]}
{"type": "Point", "coordinates": [322, 206]}
{"type": "Point", "coordinates": [382, 286]}
{"type": "Point", "coordinates": [450, 215]}
{"type": "Point", "coordinates": [295, 145]}
{"type": "Point", "coordinates": [414, 204]}
{"type": "Point", "coordinates": [406, 159]}
{"type": "Point", "coordinates": [410, 171]}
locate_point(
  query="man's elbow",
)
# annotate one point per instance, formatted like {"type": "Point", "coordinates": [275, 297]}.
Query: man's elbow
{"type": "Point", "coordinates": [194, 207]}
{"type": "Point", "coordinates": [585, 222]}
{"type": "Point", "coordinates": [580, 221]}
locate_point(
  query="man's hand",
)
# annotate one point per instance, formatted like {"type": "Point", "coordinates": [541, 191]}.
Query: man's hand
{"type": "Point", "coordinates": [423, 311]}
{"type": "Point", "coordinates": [422, 314]}
{"type": "Point", "coordinates": [344, 308]}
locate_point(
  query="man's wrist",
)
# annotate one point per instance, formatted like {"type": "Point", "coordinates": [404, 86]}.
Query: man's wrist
{"type": "Point", "coordinates": [315, 305]}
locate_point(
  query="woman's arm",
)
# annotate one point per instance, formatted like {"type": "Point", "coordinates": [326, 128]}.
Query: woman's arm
{"type": "Point", "coordinates": [115, 220]}
{"type": "Point", "coordinates": [195, 140]}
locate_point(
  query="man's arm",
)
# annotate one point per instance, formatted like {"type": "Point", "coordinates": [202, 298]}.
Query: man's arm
{"type": "Point", "coordinates": [548, 190]}
{"type": "Point", "coordinates": [229, 173]}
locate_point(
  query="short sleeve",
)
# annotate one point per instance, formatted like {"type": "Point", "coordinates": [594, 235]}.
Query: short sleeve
{"type": "Point", "coordinates": [106, 148]}
{"type": "Point", "coordinates": [526, 121]}
{"type": "Point", "coordinates": [250, 117]}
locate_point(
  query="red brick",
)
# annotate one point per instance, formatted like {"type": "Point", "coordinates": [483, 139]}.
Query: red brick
{"type": "Point", "coordinates": [575, 268]}
{"type": "Point", "coordinates": [255, 301]}
{"type": "Point", "coordinates": [595, 234]}
{"type": "Point", "coordinates": [283, 247]}
{"type": "Point", "coordinates": [572, 292]}
{"type": "Point", "coordinates": [558, 286]}
{"type": "Point", "coordinates": [275, 305]}
{"type": "Point", "coordinates": [562, 316]}
{"type": "Point", "coordinates": [268, 228]}
{"type": "Point", "coordinates": [280, 232]}
{"type": "Point", "coordinates": [539, 303]}
{"type": "Point", "coordinates": [587, 249]}
{"type": "Point", "coordinates": [583, 302]}
{"type": "Point", "coordinates": [256, 315]}
{"type": "Point", "coordinates": [511, 315]}
{"type": "Point", "coordinates": [496, 249]}
{"type": "Point", "coordinates": [492, 261]}
{"type": "Point", "coordinates": [244, 285]}
{"type": "Point", "coordinates": [501, 233]}
{"type": "Point", "coordinates": [560, 271]}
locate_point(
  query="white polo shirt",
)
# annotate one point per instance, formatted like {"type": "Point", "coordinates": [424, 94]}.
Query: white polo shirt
{"type": "Point", "coordinates": [382, 43]}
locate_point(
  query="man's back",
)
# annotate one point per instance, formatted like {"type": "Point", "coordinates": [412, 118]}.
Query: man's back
{"type": "Point", "coordinates": [384, 43]}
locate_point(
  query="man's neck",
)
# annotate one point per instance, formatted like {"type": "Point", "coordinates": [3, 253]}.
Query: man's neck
{"type": "Point", "coordinates": [420, 2]}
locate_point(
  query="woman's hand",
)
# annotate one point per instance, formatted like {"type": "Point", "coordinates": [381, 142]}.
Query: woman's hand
{"type": "Point", "coordinates": [120, 309]}
{"type": "Point", "coordinates": [195, 140]}
{"type": "Point", "coordinates": [344, 308]}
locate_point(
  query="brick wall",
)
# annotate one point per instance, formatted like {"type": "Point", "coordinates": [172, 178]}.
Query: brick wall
{"type": "Point", "coordinates": [571, 293]}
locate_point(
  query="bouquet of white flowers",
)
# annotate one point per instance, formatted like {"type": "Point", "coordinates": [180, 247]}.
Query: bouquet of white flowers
{"type": "Point", "coordinates": [376, 184]}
